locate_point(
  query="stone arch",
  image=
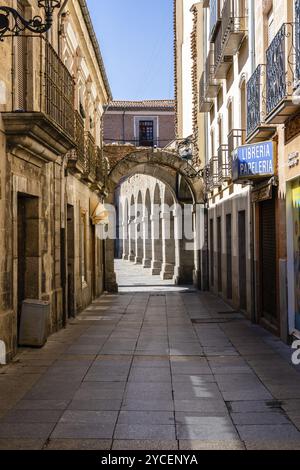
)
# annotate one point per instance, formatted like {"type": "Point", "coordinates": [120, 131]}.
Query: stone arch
{"type": "Point", "coordinates": [164, 166]}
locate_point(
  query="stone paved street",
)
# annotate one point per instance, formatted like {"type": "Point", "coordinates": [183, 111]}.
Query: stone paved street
{"type": "Point", "coordinates": [153, 370]}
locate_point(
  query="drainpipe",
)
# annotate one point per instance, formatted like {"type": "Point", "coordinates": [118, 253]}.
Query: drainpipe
{"type": "Point", "coordinates": [251, 15]}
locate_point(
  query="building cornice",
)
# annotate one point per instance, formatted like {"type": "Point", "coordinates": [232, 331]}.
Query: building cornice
{"type": "Point", "coordinates": [95, 43]}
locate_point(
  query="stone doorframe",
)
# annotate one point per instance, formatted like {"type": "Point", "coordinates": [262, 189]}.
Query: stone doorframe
{"type": "Point", "coordinates": [160, 164]}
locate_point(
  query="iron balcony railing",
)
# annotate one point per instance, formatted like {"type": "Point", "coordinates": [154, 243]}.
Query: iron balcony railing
{"type": "Point", "coordinates": [77, 155]}
{"type": "Point", "coordinates": [256, 99]}
{"type": "Point", "coordinates": [236, 138]}
{"type": "Point", "coordinates": [282, 68]}
{"type": "Point", "coordinates": [234, 18]}
{"type": "Point", "coordinates": [90, 159]}
{"type": "Point", "coordinates": [205, 103]}
{"type": "Point", "coordinates": [224, 164]}
{"type": "Point", "coordinates": [231, 33]}
{"type": "Point", "coordinates": [160, 143]}
{"type": "Point", "coordinates": [218, 47]}
{"type": "Point", "coordinates": [211, 174]}
{"type": "Point", "coordinates": [41, 82]}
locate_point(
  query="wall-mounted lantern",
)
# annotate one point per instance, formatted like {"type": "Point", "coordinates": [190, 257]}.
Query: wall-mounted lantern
{"type": "Point", "coordinates": [13, 24]}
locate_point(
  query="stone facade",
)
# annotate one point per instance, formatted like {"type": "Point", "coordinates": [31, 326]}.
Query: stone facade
{"type": "Point", "coordinates": [52, 172]}
{"type": "Point", "coordinates": [246, 74]}
{"type": "Point", "coordinates": [122, 122]}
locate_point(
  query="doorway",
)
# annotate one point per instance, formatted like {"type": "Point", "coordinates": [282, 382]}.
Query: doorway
{"type": "Point", "coordinates": [71, 261]}
{"type": "Point", "coordinates": [242, 260]}
{"type": "Point", "coordinates": [268, 271]}
{"type": "Point", "coordinates": [219, 237]}
{"type": "Point", "coordinates": [28, 250]}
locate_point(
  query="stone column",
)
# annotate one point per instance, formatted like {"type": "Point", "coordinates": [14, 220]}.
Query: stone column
{"type": "Point", "coordinates": [110, 275]}
{"type": "Point", "coordinates": [131, 239]}
{"type": "Point", "coordinates": [147, 241]}
{"type": "Point", "coordinates": [138, 242]}
{"type": "Point", "coordinates": [184, 252]}
{"type": "Point", "coordinates": [168, 246]}
{"type": "Point", "coordinates": [156, 230]}
{"type": "Point", "coordinates": [125, 240]}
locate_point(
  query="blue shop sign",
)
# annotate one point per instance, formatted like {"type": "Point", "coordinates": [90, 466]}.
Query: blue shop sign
{"type": "Point", "coordinates": [253, 161]}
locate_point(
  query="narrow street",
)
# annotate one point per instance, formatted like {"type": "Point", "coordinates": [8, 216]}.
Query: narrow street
{"type": "Point", "coordinates": [153, 370]}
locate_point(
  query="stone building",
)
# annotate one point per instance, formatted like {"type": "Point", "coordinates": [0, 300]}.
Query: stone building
{"type": "Point", "coordinates": [147, 123]}
{"type": "Point", "coordinates": [151, 199]}
{"type": "Point", "coordinates": [53, 175]}
{"type": "Point", "coordinates": [245, 74]}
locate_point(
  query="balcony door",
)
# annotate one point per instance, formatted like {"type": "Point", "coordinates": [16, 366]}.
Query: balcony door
{"type": "Point", "coordinates": [146, 133]}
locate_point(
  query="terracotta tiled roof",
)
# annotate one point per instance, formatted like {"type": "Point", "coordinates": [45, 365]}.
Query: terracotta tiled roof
{"type": "Point", "coordinates": [144, 104]}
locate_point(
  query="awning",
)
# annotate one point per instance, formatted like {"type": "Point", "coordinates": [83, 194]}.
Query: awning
{"type": "Point", "coordinates": [263, 191]}
{"type": "Point", "coordinates": [100, 216]}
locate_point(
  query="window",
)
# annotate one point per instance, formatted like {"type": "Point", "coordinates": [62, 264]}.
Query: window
{"type": "Point", "coordinates": [146, 134]}
{"type": "Point", "coordinates": [229, 255]}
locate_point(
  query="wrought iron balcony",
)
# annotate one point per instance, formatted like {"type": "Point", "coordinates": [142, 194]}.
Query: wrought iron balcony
{"type": "Point", "coordinates": [229, 36]}
{"type": "Point", "coordinates": [236, 138]}
{"type": "Point", "coordinates": [211, 174]}
{"type": "Point", "coordinates": [42, 96]}
{"type": "Point", "coordinates": [282, 75]}
{"type": "Point", "coordinates": [85, 159]}
{"type": "Point", "coordinates": [212, 85]}
{"type": "Point", "coordinates": [222, 62]}
{"type": "Point", "coordinates": [205, 103]}
{"type": "Point", "coordinates": [257, 130]}
{"type": "Point", "coordinates": [234, 26]}
{"type": "Point", "coordinates": [209, 86]}
{"type": "Point", "coordinates": [76, 157]}
{"type": "Point", "coordinates": [224, 164]}
{"type": "Point", "coordinates": [90, 157]}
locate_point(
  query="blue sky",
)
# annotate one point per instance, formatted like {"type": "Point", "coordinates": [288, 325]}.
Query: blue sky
{"type": "Point", "coordinates": [136, 40]}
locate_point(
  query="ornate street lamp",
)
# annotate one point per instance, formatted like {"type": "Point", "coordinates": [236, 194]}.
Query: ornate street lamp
{"type": "Point", "coordinates": [185, 149]}
{"type": "Point", "coordinates": [13, 24]}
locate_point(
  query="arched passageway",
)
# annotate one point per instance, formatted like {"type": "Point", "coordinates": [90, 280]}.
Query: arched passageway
{"type": "Point", "coordinates": [158, 196]}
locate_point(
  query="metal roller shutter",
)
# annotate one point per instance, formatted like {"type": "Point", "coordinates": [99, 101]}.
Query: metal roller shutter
{"type": "Point", "coordinates": [268, 259]}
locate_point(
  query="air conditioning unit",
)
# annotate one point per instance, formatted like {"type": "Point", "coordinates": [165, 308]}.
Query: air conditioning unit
{"type": "Point", "coordinates": [33, 323]}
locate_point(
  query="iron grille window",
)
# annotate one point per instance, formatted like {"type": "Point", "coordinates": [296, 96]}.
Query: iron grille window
{"type": "Point", "coordinates": [146, 131]}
